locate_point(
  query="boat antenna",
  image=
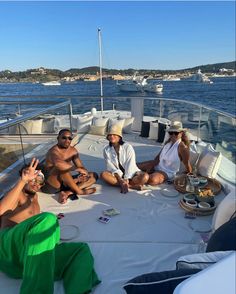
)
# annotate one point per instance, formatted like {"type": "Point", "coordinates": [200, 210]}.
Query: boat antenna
{"type": "Point", "coordinates": [100, 66]}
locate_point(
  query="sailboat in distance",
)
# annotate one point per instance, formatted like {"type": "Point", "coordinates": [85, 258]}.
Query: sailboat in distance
{"type": "Point", "coordinates": [100, 66]}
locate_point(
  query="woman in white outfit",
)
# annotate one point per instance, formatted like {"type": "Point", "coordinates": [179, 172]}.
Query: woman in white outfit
{"type": "Point", "coordinates": [167, 163]}
{"type": "Point", "coordinates": [120, 159]}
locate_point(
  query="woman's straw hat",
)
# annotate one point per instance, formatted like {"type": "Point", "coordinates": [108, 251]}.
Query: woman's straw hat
{"type": "Point", "coordinates": [115, 130]}
{"type": "Point", "coordinates": [176, 126]}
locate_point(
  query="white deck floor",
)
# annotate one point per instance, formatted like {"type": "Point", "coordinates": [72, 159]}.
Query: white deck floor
{"type": "Point", "coordinates": [148, 236]}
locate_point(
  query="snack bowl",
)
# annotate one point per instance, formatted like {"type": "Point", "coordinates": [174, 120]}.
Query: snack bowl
{"type": "Point", "coordinates": [204, 205]}
{"type": "Point", "coordinates": [207, 199]}
{"type": "Point", "coordinates": [202, 180]}
{"type": "Point", "coordinates": [188, 197]}
{"type": "Point", "coordinates": [205, 195]}
{"type": "Point", "coordinates": [191, 203]}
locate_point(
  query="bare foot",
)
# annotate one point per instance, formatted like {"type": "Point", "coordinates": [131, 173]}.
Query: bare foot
{"type": "Point", "coordinates": [63, 196]}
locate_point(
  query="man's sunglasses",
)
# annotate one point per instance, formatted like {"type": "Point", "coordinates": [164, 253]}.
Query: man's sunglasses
{"type": "Point", "coordinates": [67, 137]}
{"type": "Point", "coordinates": [38, 182]}
{"type": "Point", "coordinates": [173, 133]}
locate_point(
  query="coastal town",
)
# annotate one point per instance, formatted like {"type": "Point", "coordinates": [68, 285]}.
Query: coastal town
{"type": "Point", "coordinates": [90, 74]}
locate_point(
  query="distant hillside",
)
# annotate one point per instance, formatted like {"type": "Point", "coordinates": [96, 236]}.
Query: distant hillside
{"type": "Point", "coordinates": [204, 68]}
{"type": "Point", "coordinates": [43, 74]}
{"type": "Point", "coordinates": [214, 67]}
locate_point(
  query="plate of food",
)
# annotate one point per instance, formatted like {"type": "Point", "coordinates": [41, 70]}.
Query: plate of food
{"type": "Point", "coordinates": [205, 195]}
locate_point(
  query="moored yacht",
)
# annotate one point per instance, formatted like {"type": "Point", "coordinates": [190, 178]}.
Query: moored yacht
{"type": "Point", "coordinates": [52, 83]}
{"type": "Point", "coordinates": [199, 77]}
{"type": "Point", "coordinates": [134, 84]}
{"type": "Point", "coordinates": [153, 87]}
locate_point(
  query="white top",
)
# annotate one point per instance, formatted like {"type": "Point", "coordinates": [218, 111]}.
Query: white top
{"type": "Point", "coordinates": [127, 160]}
{"type": "Point", "coordinates": [169, 159]}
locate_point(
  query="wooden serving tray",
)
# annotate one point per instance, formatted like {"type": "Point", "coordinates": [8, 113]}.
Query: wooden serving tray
{"type": "Point", "coordinates": [213, 184]}
{"type": "Point", "coordinates": [196, 210]}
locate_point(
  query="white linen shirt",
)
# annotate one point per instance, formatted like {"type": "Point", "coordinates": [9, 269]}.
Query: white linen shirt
{"type": "Point", "coordinates": [127, 160]}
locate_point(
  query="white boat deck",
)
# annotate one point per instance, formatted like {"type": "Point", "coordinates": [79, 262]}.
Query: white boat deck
{"type": "Point", "coordinates": [148, 235]}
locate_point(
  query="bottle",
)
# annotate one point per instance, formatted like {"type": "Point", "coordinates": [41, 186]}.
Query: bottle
{"type": "Point", "coordinates": [189, 187]}
{"type": "Point", "coordinates": [195, 170]}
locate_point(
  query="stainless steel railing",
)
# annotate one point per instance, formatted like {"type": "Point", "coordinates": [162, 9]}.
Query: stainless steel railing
{"type": "Point", "coordinates": [213, 126]}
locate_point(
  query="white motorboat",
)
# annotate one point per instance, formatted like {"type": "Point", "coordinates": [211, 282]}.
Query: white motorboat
{"type": "Point", "coordinates": [153, 87]}
{"type": "Point", "coordinates": [134, 84]}
{"type": "Point", "coordinates": [199, 77]}
{"type": "Point", "coordinates": [170, 79]}
{"type": "Point", "coordinates": [129, 86]}
{"type": "Point", "coordinates": [52, 83]}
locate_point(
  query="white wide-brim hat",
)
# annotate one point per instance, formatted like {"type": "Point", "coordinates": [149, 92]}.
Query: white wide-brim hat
{"type": "Point", "coordinates": [176, 126]}
{"type": "Point", "coordinates": [115, 130]}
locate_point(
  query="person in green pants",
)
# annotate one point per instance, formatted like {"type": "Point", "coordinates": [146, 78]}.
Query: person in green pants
{"type": "Point", "coordinates": [29, 243]}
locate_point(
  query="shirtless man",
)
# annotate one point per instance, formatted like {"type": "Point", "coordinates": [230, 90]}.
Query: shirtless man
{"type": "Point", "coordinates": [61, 159]}
{"type": "Point", "coordinates": [30, 246]}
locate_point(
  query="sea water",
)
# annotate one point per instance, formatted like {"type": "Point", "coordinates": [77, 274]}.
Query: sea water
{"type": "Point", "coordinates": [219, 95]}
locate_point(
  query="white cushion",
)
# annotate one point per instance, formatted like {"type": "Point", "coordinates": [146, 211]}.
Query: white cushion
{"type": "Point", "coordinates": [114, 121]}
{"type": "Point", "coordinates": [26, 127]}
{"type": "Point", "coordinates": [97, 130]}
{"type": "Point", "coordinates": [201, 146]}
{"type": "Point", "coordinates": [48, 125]}
{"type": "Point", "coordinates": [224, 211]}
{"type": "Point", "coordinates": [227, 170]}
{"type": "Point", "coordinates": [200, 260]}
{"type": "Point", "coordinates": [82, 123]}
{"type": "Point", "coordinates": [127, 127]}
{"type": "Point", "coordinates": [153, 131]}
{"type": "Point", "coordinates": [209, 162]}
{"type": "Point", "coordinates": [100, 122]}
{"type": "Point", "coordinates": [36, 127]}
{"type": "Point", "coordinates": [31, 127]}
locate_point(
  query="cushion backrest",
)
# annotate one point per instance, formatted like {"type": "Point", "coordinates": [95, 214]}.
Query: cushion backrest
{"type": "Point", "coordinates": [97, 130]}
{"type": "Point", "coordinates": [224, 210]}
{"type": "Point", "coordinates": [36, 127]}
{"type": "Point", "coordinates": [117, 122]}
{"type": "Point", "coordinates": [153, 131]}
{"type": "Point", "coordinates": [158, 283]}
{"type": "Point", "coordinates": [200, 260]}
{"type": "Point", "coordinates": [209, 162]}
{"type": "Point", "coordinates": [127, 127]}
{"type": "Point", "coordinates": [48, 125]}
{"type": "Point", "coordinates": [100, 121]}
{"type": "Point", "coordinates": [82, 123]}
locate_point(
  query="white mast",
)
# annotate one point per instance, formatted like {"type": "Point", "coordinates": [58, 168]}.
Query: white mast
{"type": "Point", "coordinates": [100, 66]}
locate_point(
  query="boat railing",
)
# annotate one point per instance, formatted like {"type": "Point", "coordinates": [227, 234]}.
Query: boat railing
{"type": "Point", "coordinates": [38, 119]}
{"type": "Point", "coordinates": [29, 131]}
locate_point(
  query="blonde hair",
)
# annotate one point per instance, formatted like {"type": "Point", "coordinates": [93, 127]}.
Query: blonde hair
{"type": "Point", "coordinates": [185, 138]}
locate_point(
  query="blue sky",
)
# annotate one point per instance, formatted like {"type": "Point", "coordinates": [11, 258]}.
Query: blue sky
{"type": "Point", "coordinates": [136, 34]}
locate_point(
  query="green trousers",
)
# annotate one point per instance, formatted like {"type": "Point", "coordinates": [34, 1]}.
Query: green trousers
{"type": "Point", "coordinates": [30, 251]}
